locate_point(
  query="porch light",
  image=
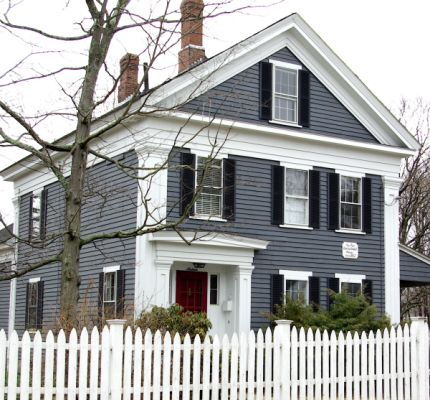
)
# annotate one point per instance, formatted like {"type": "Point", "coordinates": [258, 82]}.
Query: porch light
{"type": "Point", "coordinates": [199, 265]}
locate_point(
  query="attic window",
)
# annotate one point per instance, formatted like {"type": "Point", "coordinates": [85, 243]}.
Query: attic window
{"type": "Point", "coordinates": [285, 94]}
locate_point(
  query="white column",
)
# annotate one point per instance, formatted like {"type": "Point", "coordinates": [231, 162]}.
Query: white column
{"type": "Point", "coordinates": [116, 330]}
{"type": "Point", "coordinates": [242, 298]}
{"type": "Point", "coordinates": [151, 208]}
{"type": "Point", "coordinates": [12, 293]}
{"type": "Point", "coordinates": [391, 242]}
{"type": "Point", "coordinates": [162, 283]}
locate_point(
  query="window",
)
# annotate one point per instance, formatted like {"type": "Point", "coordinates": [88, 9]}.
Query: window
{"type": "Point", "coordinates": [109, 295]}
{"type": "Point", "coordinates": [297, 284]}
{"type": "Point", "coordinates": [34, 304]}
{"type": "Point", "coordinates": [350, 203]}
{"type": "Point", "coordinates": [38, 215]}
{"type": "Point", "coordinates": [213, 289]}
{"type": "Point", "coordinates": [297, 197]}
{"type": "Point", "coordinates": [209, 176]}
{"type": "Point", "coordinates": [350, 284]}
{"type": "Point", "coordinates": [285, 94]}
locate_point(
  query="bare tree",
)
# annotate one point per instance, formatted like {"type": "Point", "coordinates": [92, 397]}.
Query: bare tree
{"type": "Point", "coordinates": [88, 85]}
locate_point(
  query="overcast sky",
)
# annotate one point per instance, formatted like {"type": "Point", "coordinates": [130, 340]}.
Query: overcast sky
{"type": "Point", "coordinates": [385, 42]}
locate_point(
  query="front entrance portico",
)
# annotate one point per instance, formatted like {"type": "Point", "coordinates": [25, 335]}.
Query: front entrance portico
{"type": "Point", "coordinates": [226, 265]}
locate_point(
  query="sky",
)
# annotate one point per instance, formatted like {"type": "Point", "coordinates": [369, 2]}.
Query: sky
{"type": "Point", "coordinates": [384, 42]}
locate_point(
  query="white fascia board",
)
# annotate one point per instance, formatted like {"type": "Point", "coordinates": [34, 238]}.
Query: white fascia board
{"type": "Point", "coordinates": [295, 275]}
{"type": "Point", "coordinates": [414, 253]}
{"type": "Point", "coordinates": [350, 278]}
{"type": "Point", "coordinates": [210, 238]}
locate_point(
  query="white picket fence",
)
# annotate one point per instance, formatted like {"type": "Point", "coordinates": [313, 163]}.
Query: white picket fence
{"type": "Point", "coordinates": [289, 364]}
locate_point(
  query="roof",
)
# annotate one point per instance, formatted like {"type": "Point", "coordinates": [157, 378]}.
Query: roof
{"type": "Point", "coordinates": [293, 32]}
{"type": "Point", "coordinates": [5, 234]}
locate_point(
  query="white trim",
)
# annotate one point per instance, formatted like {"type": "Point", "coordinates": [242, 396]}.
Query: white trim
{"type": "Point", "coordinates": [34, 280]}
{"type": "Point", "coordinates": [112, 268]}
{"type": "Point", "coordinates": [285, 123]}
{"type": "Point", "coordinates": [284, 64]}
{"type": "Point", "coordinates": [306, 228]}
{"type": "Point", "coordinates": [350, 174]}
{"type": "Point", "coordinates": [350, 278]}
{"type": "Point", "coordinates": [290, 165]}
{"type": "Point", "coordinates": [295, 275]}
{"type": "Point", "coordinates": [207, 218]}
{"type": "Point", "coordinates": [350, 231]}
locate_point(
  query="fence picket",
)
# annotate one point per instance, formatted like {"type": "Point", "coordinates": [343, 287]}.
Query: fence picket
{"type": "Point", "coordinates": [94, 364]}
{"type": "Point", "coordinates": [268, 365]}
{"type": "Point", "coordinates": [147, 364]}
{"type": "Point", "coordinates": [49, 366]}
{"type": "Point", "coordinates": [371, 365]}
{"type": "Point", "coordinates": [3, 346]}
{"type": "Point", "coordinates": [399, 363]}
{"type": "Point", "coordinates": [25, 366]}
{"type": "Point", "coordinates": [325, 365]}
{"type": "Point", "coordinates": [379, 370]}
{"type": "Point", "coordinates": [356, 366]}
{"type": "Point", "coordinates": [156, 367]}
{"type": "Point", "coordinates": [277, 364]}
{"type": "Point", "coordinates": [37, 367]}
{"type": "Point", "coordinates": [386, 352]}
{"type": "Point", "coordinates": [83, 364]}
{"type": "Point", "coordinates": [393, 364]}
{"type": "Point", "coordinates": [72, 365]}
{"type": "Point", "coordinates": [348, 393]}
{"type": "Point", "coordinates": [318, 365]}
{"type": "Point", "coordinates": [215, 367]}
{"type": "Point", "coordinates": [294, 363]}
{"type": "Point", "coordinates": [13, 366]}
{"type": "Point", "coordinates": [105, 364]}
{"type": "Point", "coordinates": [310, 363]}
{"type": "Point", "coordinates": [206, 367]}
{"type": "Point", "coordinates": [234, 366]}
{"type": "Point", "coordinates": [341, 366]}
{"type": "Point", "coordinates": [364, 366]}
{"type": "Point", "coordinates": [186, 373]}
{"type": "Point", "coordinates": [333, 365]}
{"type": "Point", "coordinates": [260, 365]}
{"type": "Point", "coordinates": [251, 366]}
{"type": "Point", "coordinates": [407, 362]}
{"type": "Point", "coordinates": [302, 364]}
{"type": "Point", "coordinates": [197, 349]}
{"type": "Point", "coordinates": [167, 355]}
{"type": "Point", "coordinates": [224, 367]}
{"type": "Point", "coordinates": [126, 379]}
{"type": "Point", "coordinates": [176, 366]}
{"type": "Point", "coordinates": [242, 366]}
{"type": "Point", "coordinates": [61, 362]}
{"type": "Point", "coordinates": [137, 366]}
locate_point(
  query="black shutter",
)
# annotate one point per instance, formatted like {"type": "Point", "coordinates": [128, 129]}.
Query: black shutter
{"type": "Point", "coordinates": [314, 290]}
{"type": "Point", "coordinates": [187, 181]}
{"type": "Point", "coordinates": [266, 90]}
{"type": "Point", "coordinates": [304, 96]}
{"type": "Point", "coordinates": [30, 218]}
{"type": "Point", "coordinates": [333, 202]}
{"type": "Point", "coordinates": [120, 290]}
{"type": "Point", "coordinates": [314, 199]}
{"type": "Point", "coordinates": [278, 194]}
{"type": "Point", "coordinates": [334, 285]}
{"type": "Point", "coordinates": [277, 291]}
{"type": "Point", "coordinates": [100, 296]}
{"type": "Point", "coordinates": [39, 316]}
{"type": "Point", "coordinates": [26, 305]}
{"type": "Point", "coordinates": [43, 213]}
{"type": "Point", "coordinates": [367, 289]}
{"type": "Point", "coordinates": [367, 205]}
{"type": "Point", "coordinates": [229, 188]}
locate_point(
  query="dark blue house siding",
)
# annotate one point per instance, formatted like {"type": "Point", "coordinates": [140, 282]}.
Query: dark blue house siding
{"type": "Point", "coordinates": [238, 99]}
{"type": "Point", "coordinates": [318, 250]}
{"type": "Point", "coordinates": [4, 304]}
{"type": "Point", "coordinates": [413, 270]}
{"type": "Point", "coordinates": [109, 205]}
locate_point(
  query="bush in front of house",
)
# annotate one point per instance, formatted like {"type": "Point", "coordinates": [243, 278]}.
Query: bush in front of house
{"type": "Point", "coordinates": [174, 319]}
{"type": "Point", "coordinates": [347, 313]}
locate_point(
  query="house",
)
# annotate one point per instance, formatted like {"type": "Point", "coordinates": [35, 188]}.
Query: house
{"type": "Point", "coordinates": [7, 259]}
{"type": "Point", "coordinates": [301, 195]}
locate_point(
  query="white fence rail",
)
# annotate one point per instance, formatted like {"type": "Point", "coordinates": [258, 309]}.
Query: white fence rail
{"type": "Point", "coordinates": [287, 364]}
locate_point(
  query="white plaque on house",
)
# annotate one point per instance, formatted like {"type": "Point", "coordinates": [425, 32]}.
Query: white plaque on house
{"type": "Point", "coordinates": [350, 250]}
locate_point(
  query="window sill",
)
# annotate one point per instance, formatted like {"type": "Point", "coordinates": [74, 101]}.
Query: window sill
{"type": "Point", "coordinates": [292, 124]}
{"type": "Point", "coordinates": [304, 227]}
{"type": "Point", "coordinates": [350, 231]}
{"type": "Point", "coordinates": [205, 218]}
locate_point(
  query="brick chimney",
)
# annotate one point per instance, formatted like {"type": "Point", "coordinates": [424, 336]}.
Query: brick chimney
{"type": "Point", "coordinates": [192, 51]}
{"type": "Point", "coordinates": [128, 83]}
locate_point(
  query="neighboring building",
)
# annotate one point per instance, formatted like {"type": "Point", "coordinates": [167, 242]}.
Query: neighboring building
{"type": "Point", "coordinates": [7, 262]}
{"type": "Point", "coordinates": [302, 196]}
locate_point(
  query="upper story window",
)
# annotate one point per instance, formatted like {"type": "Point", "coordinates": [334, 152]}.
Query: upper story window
{"type": "Point", "coordinates": [38, 207]}
{"type": "Point", "coordinates": [285, 94]}
{"type": "Point", "coordinates": [350, 203]}
{"type": "Point", "coordinates": [297, 197]}
{"type": "Point", "coordinates": [209, 177]}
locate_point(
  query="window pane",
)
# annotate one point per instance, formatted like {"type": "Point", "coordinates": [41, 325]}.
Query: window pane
{"type": "Point", "coordinates": [213, 285]}
{"type": "Point", "coordinates": [350, 189]}
{"type": "Point", "coordinates": [208, 204]}
{"type": "Point", "coordinates": [296, 211]}
{"type": "Point", "coordinates": [352, 289]}
{"type": "Point", "coordinates": [350, 216]}
{"type": "Point", "coordinates": [209, 201]}
{"type": "Point", "coordinates": [286, 81]}
{"type": "Point", "coordinates": [35, 216]}
{"type": "Point", "coordinates": [296, 289]}
{"type": "Point", "coordinates": [109, 287]}
{"type": "Point", "coordinates": [296, 182]}
{"type": "Point", "coordinates": [285, 109]}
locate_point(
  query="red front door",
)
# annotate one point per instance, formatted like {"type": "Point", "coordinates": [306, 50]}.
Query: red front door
{"type": "Point", "coordinates": [191, 290]}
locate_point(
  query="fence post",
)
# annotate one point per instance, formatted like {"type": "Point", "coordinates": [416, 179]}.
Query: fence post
{"type": "Point", "coordinates": [116, 328]}
{"type": "Point", "coordinates": [420, 333]}
{"type": "Point", "coordinates": [283, 329]}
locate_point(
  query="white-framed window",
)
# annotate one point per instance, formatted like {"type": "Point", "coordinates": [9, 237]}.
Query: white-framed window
{"type": "Point", "coordinates": [350, 202]}
{"type": "Point", "coordinates": [350, 284]}
{"type": "Point", "coordinates": [296, 284]}
{"type": "Point", "coordinates": [33, 308]}
{"type": "Point", "coordinates": [210, 176]}
{"type": "Point", "coordinates": [285, 92]}
{"type": "Point", "coordinates": [36, 207]}
{"type": "Point", "coordinates": [296, 197]}
{"type": "Point", "coordinates": [110, 291]}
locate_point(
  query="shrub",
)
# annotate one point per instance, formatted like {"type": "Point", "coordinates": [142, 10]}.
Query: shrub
{"type": "Point", "coordinates": [346, 313]}
{"type": "Point", "coordinates": [174, 320]}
